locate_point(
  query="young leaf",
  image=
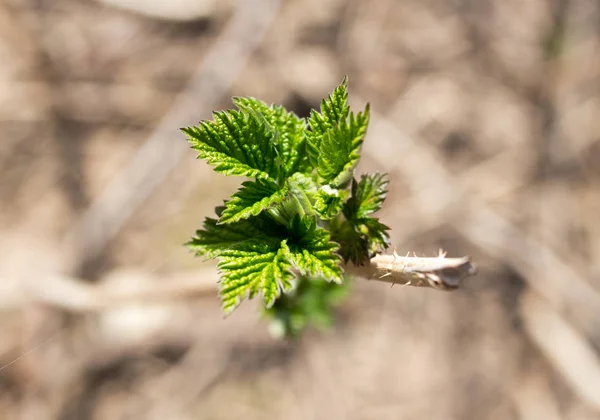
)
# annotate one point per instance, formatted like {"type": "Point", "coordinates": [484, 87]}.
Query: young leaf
{"type": "Point", "coordinates": [313, 253]}
{"type": "Point", "coordinates": [299, 200]}
{"type": "Point", "coordinates": [330, 201]}
{"type": "Point", "coordinates": [252, 199]}
{"type": "Point", "coordinates": [368, 194]}
{"type": "Point", "coordinates": [333, 110]}
{"type": "Point", "coordinates": [269, 232]}
{"type": "Point", "coordinates": [361, 235]}
{"type": "Point", "coordinates": [287, 128]}
{"type": "Point", "coordinates": [252, 257]}
{"type": "Point", "coordinates": [339, 150]}
{"type": "Point", "coordinates": [375, 232]}
{"type": "Point", "coordinates": [235, 143]}
{"type": "Point", "coordinates": [246, 273]}
{"type": "Point", "coordinates": [360, 239]}
{"type": "Point", "coordinates": [259, 235]}
{"type": "Point", "coordinates": [353, 245]}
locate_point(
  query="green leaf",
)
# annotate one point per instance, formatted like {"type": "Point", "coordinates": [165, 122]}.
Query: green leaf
{"type": "Point", "coordinates": [312, 253]}
{"type": "Point", "coordinates": [287, 128]}
{"type": "Point", "coordinates": [360, 235]}
{"type": "Point", "coordinates": [252, 199]}
{"type": "Point", "coordinates": [339, 150]}
{"type": "Point", "coordinates": [299, 200]}
{"type": "Point", "coordinates": [368, 195]}
{"type": "Point", "coordinates": [252, 256]}
{"type": "Point", "coordinates": [268, 235]}
{"type": "Point", "coordinates": [235, 143]}
{"type": "Point", "coordinates": [256, 258]}
{"type": "Point", "coordinates": [353, 245]}
{"type": "Point", "coordinates": [333, 110]}
{"type": "Point", "coordinates": [360, 239]}
{"type": "Point", "coordinates": [376, 233]}
{"type": "Point", "coordinates": [246, 273]}
{"type": "Point", "coordinates": [330, 201]}
{"type": "Point", "coordinates": [259, 234]}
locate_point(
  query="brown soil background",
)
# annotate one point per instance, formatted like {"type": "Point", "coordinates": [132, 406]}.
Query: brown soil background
{"type": "Point", "coordinates": [486, 116]}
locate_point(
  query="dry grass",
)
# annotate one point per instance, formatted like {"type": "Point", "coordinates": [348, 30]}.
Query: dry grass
{"type": "Point", "coordinates": [486, 118]}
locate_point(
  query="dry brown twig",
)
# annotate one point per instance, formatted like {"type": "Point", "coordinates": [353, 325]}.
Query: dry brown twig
{"type": "Point", "coordinates": [439, 272]}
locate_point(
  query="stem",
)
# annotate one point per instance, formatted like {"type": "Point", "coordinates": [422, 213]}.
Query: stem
{"type": "Point", "coordinates": [437, 272]}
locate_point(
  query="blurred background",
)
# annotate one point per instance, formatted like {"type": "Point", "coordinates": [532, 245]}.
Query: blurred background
{"type": "Point", "coordinates": [486, 117]}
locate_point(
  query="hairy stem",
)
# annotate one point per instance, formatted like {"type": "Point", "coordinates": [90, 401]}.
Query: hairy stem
{"type": "Point", "coordinates": [437, 272]}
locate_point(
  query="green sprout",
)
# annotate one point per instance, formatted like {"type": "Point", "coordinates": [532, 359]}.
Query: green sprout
{"type": "Point", "coordinates": [286, 235]}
